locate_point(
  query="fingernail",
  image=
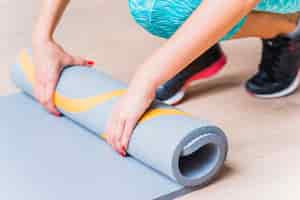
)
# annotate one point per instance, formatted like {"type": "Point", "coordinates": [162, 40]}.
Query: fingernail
{"type": "Point", "coordinates": [123, 154]}
{"type": "Point", "coordinates": [57, 114]}
{"type": "Point", "coordinates": [124, 151]}
{"type": "Point", "coordinates": [90, 62]}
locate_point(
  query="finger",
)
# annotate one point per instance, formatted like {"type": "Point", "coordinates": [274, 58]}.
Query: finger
{"type": "Point", "coordinates": [116, 140]}
{"type": "Point", "coordinates": [89, 63]}
{"type": "Point", "coordinates": [49, 77]}
{"type": "Point", "coordinates": [40, 83]}
{"type": "Point", "coordinates": [49, 103]}
{"type": "Point", "coordinates": [45, 85]}
{"type": "Point", "coordinates": [82, 62]}
{"type": "Point", "coordinates": [37, 92]}
{"type": "Point", "coordinates": [120, 147]}
{"type": "Point", "coordinates": [109, 130]}
{"type": "Point", "coordinates": [51, 108]}
{"type": "Point", "coordinates": [41, 89]}
{"type": "Point", "coordinates": [37, 87]}
{"type": "Point", "coordinates": [114, 134]}
{"type": "Point", "coordinates": [49, 96]}
{"type": "Point", "coordinates": [128, 129]}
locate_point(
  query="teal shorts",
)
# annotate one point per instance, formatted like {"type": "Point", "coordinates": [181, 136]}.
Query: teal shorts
{"type": "Point", "coordinates": [163, 17]}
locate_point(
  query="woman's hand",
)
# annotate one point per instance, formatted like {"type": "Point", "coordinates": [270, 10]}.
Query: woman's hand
{"type": "Point", "coordinates": [50, 59]}
{"type": "Point", "coordinates": [125, 116]}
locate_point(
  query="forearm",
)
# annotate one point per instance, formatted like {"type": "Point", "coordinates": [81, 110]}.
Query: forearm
{"type": "Point", "coordinates": [51, 12]}
{"type": "Point", "coordinates": [209, 22]}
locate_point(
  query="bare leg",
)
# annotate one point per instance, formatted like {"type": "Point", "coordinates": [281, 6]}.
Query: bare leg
{"type": "Point", "coordinates": [267, 25]}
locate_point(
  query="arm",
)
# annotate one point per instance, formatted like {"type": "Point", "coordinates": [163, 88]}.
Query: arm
{"type": "Point", "coordinates": [194, 37]}
{"type": "Point", "coordinates": [51, 13]}
{"type": "Point", "coordinates": [48, 56]}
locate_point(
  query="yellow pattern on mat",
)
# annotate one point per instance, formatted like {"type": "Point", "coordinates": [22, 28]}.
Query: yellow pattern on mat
{"type": "Point", "coordinates": [84, 104]}
{"type": "Point", "coordinates": [155, 113]}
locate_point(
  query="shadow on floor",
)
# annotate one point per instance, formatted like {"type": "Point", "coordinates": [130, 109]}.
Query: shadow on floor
{"type": "Point", "coordinates": [214, 86]}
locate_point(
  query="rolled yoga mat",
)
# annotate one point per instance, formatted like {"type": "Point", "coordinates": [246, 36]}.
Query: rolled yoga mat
{"type": "Point", "coordinates": [185, 150]}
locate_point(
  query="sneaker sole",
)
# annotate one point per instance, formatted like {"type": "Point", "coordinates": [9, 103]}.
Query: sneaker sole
{"type": "Point", "coordinates": [289, 90]}
{"type": "Point", "coordinates": [209, 72]}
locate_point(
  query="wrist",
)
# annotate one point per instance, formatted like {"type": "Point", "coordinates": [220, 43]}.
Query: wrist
{"type": "Point", "coordinates": [38, 38]}
{"type": "Point", "coordinates": [142, 89]}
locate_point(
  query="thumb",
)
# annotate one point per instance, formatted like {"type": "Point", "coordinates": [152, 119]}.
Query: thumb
{"type": "Point", "coordinates": [82, 62]}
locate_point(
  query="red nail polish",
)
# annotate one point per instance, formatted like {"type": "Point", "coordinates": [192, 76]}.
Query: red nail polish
{"type": "Point", "coordinates": [57, 114]}
{"type": "Point", "coordinates": [90, 62]}
{"type": "Point", "coordinates": [121, 152]}
{"type": "Point", "coordinates": [124, 151]}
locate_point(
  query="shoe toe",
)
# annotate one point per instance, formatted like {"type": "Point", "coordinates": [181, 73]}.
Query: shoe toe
{"type": "Point", "coordinates": [252, 87]}
{"type": "Point", "coordinates": [162, 93]}
{"type": "Point", "coordinates": [256, 85]}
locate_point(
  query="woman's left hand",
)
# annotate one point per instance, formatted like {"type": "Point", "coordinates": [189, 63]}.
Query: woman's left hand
{"type": "Point", "coordinates": [124, 117]}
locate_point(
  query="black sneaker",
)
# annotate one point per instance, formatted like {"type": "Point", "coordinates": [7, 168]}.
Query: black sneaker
{"type": "Point", "coordinates": [207, 65]}
{"type": "Point", "coordinates": [278, 70]}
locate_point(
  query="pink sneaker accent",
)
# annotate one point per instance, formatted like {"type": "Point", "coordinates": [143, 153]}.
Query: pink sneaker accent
{"type": "Point", "coordinates": [208, 72]}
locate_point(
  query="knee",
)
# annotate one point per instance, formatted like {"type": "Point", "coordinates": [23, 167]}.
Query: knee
{"type": "Point", "coordinates": [161, 17]}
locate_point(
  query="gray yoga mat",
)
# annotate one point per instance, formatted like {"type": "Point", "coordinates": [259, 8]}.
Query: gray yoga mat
{"type": "Point", "coordinates": [171, 153]}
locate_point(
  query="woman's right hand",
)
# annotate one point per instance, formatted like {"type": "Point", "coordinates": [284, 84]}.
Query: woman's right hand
{"type": "Point", "coordinates": [50, 59]}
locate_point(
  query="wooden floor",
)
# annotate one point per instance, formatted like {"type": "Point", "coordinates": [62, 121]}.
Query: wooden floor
{"type": "Point", "coordinates": [264, 136]}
